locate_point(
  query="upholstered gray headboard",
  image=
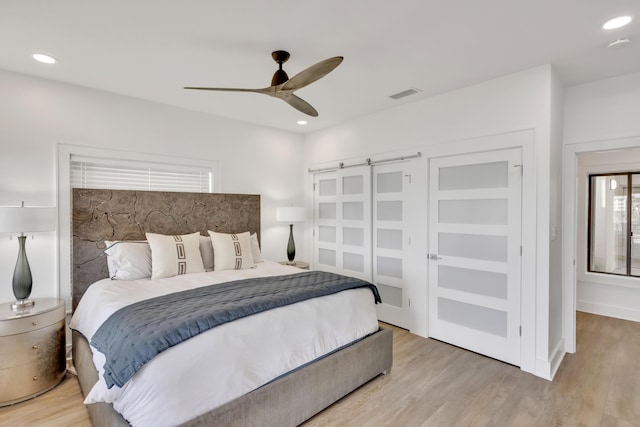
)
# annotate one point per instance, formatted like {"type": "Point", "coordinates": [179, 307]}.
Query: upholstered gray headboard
{"type": "Point", "coordinates": [100, 215]}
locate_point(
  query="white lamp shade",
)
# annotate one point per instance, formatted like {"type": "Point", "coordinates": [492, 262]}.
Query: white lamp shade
{"type": "Point", "coordinates": [291, 214]}
{"type": "Point", "coordinates": [27, 219]}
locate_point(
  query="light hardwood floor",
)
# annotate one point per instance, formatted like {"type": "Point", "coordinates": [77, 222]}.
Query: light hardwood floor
{"type": "Point", "coordinates": [435, 384]}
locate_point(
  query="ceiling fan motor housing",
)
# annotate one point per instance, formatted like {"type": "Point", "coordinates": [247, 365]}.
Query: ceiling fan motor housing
{"type": "Point", "coordinates": [280, 76]}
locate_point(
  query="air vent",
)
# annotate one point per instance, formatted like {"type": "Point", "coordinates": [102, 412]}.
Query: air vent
{"type": "Point", "coordinates": [404, 93]}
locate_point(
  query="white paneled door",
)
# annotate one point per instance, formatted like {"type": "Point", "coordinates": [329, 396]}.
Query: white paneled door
{"type": "Point", "coordinates": [398, 266]}
{"type": "Point", "coordinates": [342, 234]}
{"type": "Point", "coordinates": [369, 223]}
{"type": "Point", "coordinates": [475, 252]}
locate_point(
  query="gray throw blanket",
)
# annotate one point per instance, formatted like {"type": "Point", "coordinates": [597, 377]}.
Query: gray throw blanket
{"type": "Point", "coordinates": [138, 332]}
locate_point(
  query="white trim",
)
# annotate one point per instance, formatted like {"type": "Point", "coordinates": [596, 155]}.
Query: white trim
{"type": "Point", "coordinates": [609, 310]}
{"type": "Point", "coordinates": [64, 153]}
{"type": "Point", "coordinates": [556, 358]}
{"type": "Point", "coordinates": [570, 224]}
{"type": "Point", "coordinates": [630, 282]}
{"type": "Point", "coordinates": [547, 369]}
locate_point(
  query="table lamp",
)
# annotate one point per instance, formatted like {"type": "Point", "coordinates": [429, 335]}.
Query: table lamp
{"type": "Point", "coordinates": [21, 220]}
{"type": "Point", "coordinates": [291, 214]}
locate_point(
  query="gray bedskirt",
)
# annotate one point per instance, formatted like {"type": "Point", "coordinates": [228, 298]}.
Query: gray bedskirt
{"type": "Point", "coordinates": [287, 401]}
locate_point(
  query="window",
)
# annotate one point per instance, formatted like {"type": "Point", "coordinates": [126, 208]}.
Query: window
{"type": "Point", "coordinates": [76, 167]}
{"type": "Point", "coordinates": [614, 224]}
{"type": "Point", "coordinates": [114, 174]}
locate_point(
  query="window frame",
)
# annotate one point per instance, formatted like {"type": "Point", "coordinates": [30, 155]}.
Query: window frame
{"type": "Point", "coordinates": [629, 221]}
{"type": "Point", "coordinates": [64, 154]}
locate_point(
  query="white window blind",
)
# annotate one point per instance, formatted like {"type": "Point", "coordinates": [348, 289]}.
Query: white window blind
{"type": "Point", "coordinates": [117, 174]}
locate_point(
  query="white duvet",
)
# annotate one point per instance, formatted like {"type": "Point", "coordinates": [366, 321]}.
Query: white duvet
{"type": "Point", "coordinates": [225, 362]}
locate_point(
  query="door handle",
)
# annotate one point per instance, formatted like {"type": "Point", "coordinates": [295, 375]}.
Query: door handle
{"type": "Point", "coordinates": [434, 257]}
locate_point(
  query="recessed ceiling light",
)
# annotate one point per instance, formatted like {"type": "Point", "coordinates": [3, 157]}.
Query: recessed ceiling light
{"type": "Point", "coordinates": [45, 59]}
{"type": "Point", "coordinates": [618, 22]}
{"type": "Point", "coordinates": [302, 122]}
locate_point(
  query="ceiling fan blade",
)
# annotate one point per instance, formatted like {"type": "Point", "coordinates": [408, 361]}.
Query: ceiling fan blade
{"type": "Point", "coordinates": [300, 105]}
{"type": "Point", "coordinates": [285, 90]}
{"type": "Point", "coordinates": [230, 89]}
{"type": "Point", "coordinates": [311, 74]}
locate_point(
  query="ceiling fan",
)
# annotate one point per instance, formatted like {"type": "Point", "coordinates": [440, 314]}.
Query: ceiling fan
{"type": "Point", "coordinates": [283, 87]}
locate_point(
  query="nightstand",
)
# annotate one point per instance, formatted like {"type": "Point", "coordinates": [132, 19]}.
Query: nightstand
{"type": "Point", "coordinates": [32, 349]}
{"type": "Point", "coordinates": [299, 264]}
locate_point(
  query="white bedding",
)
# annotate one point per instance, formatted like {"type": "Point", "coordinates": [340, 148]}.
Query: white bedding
{"type": "Point", "coordinates": [225, 362]}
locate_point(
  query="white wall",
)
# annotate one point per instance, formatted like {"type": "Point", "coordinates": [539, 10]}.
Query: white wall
{"type": "Point", "coordinates": [599, 116]}
{"type": "Point", "coordinates": [37, 114]}
{"type": "Point", "coordinates": [602, 110]}
{"type": "Point", "coordinates": [514, 102]}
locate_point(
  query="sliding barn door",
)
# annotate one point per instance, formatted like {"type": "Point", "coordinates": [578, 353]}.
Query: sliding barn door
{"type": "Point", "coordinates": [342, 231]}
{"type": "Point", "coordinates": [397, 230]}
{"type": "Point", "coordinates": [475, 252]}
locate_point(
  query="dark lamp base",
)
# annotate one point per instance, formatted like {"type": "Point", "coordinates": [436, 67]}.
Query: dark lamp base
{"type": "Point", "coordinates": [291, 246]}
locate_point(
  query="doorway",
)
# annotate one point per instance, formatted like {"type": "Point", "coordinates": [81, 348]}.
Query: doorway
{"type": "Point", "coordinates": [603, 294]}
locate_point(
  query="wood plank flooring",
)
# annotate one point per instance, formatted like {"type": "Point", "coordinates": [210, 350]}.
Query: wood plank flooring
{"type": "Point", "coordinates": [60, 407]}
{"type": "Point", "coordinates": [435, 384]}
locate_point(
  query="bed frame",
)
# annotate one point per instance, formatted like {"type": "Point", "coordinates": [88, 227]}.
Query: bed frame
{"type": "Point", "coordinates": [100, 215]}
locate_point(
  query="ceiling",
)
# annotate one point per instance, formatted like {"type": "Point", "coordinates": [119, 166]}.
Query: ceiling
{"type": "Point", "coordinates": [150, 49]}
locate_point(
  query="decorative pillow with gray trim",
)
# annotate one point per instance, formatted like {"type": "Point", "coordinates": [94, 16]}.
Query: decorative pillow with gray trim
{"type": "Point", "coordinates": [174, 255]}
{"type": "Point", "coordinates": [231, 251]}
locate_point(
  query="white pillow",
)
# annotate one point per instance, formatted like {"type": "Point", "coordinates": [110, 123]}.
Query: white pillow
{"type": "Point", "coordinates": [231, 251]}
{"type": "Point", "coordinates": [255, 249]}
{"type": "Point", "coordinates": [206, 251]}
{"type": "Point", "coordinates": [174, 255]}
{"type": "Point", "coordinates": [128, 260]}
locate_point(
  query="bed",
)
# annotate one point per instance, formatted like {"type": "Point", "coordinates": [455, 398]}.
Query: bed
{"type": "Point", "coordinates": [288, 398]}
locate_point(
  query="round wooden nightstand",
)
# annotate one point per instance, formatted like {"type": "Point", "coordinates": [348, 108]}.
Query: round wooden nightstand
{"type": "Point", "coordinates": [32, 349]}
{"type": "Point", "coordinates": [299, 264]}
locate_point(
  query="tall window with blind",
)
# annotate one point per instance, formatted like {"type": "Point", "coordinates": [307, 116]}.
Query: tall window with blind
{"type": "Point", "coordinates": [134, 175]}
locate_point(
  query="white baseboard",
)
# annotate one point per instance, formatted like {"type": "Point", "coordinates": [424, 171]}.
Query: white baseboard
{"type": "Point", "coordinates": [608, 310]}
{"type": "Point", "coordinates": [543, 369]}
{"type": "Point", "coordinates": [547, 368]}
{"type": "Point", "coordinates": [557, 357]}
